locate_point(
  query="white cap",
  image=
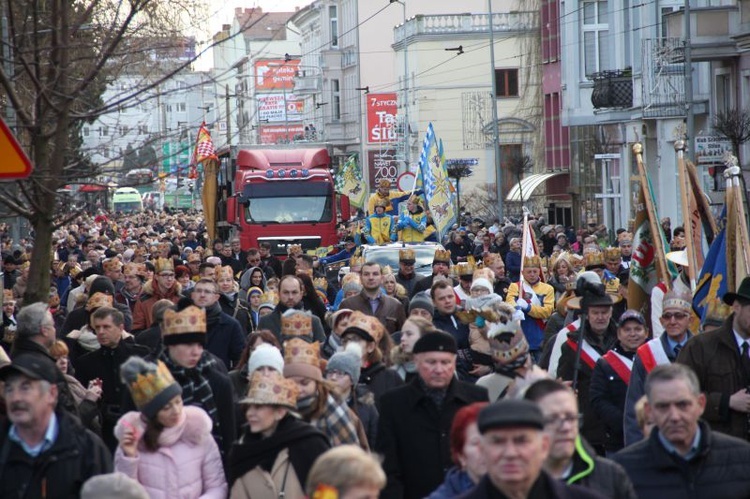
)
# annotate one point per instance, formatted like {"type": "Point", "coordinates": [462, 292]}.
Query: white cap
{"type": "Point", "coordinates": [481, 282]}
{"type": "Point", "coordinates": [265, 355]}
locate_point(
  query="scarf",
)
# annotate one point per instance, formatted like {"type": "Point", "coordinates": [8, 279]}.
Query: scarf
{"type": "Point", "coordinates": [196, 390]}
{"type": "Point", "coordinates": [253, 450]}
{"type": "Point", "coordinates": [437, 395]}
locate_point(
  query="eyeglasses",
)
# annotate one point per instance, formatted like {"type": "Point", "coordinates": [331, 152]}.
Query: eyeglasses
{"type": "Point", "coordinates": [679, 316]}
{"type": "Point", "coordinates": [335, 373]}
{"type": "Point", "coordinates": [558, 421]}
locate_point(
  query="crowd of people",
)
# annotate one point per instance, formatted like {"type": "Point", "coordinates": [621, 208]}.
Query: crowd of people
{"type": "Point", "coordinates": [164, 365]}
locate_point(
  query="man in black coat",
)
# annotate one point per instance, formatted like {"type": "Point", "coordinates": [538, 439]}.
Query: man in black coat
{"type": "Point", "coordinates": [514, 447]}
{"type": "Point", "coordinates": [225, 338]}
{"type": "Point", "coordinates": [683, 457]}
{"type": "Point", "coordinates": [441, 266]}
{"type": "Point", "coordinates": [102, 367]}
{"type": "Point", "coordinates": [291, 292]}
{"type": "Point", "coordinates": [66, 456]}
{"type": "Point", "coordinates": [415, 420]}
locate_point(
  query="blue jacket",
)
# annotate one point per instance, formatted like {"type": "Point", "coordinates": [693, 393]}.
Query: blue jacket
{"type": "Point", "coordinates": [456, 482]}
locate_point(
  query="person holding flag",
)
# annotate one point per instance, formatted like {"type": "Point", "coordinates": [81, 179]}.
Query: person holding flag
{"type": "Point", "coordinates": [384, 193]}
{"type": "Point", "coordinates": [531, 295]}
{"type": "Point", "coordinates": [412, 223]}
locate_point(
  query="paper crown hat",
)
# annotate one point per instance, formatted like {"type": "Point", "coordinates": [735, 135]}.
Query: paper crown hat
{"type": "Point", "coordinates": [225, 271]}
{"type": "Point", "coordinates": [442, 256]}
{"type": "Point", "coordinates": [296, 324]}
{"type": "Point", "coordinates": [676, 299]}
{"type": "Point", "coordinates": [8, 296]}
{"type": "Point", "coordinates": [302, 359]}
{"type": "Point", "coordinates": [532, 261]}
{"type": "Point", "coordinates": [99, 300]}
{"type": "Point", "coordinates": [151, 385]}
{"type": "Point", "coordinates": [593, 259]}
{"type": "Point", "coordinates": [294, 249]}
{"type": "Point", "coordinates": [111, 264]}
{"type": "Point", "coordinates": [384, 183]}
{"type": "Point", "coordinates": [271, 389]}
{"type": "Point", "coordinates": [368, 327]}
{"type": "Point", "coordinates": [463, 268]}
{"type": "Point", "coordinates": [269, 297]}
{"type": "Point", "coordinates": [134, 269]}
{"type": "Point", "coordinates": [611, 254]}
{"type": "Point", "coordinates": [382, 202]}
{"type": "Point", "coordinates": [185, 326]}
{"type": "Point", "coordinates": [320, 283]}
{"type": "Point", "coordinates": [625, 238]}
{"type": "Point", "coordinates": [163, 265]}
{"type": "Point", "coordinates": [406, 255]}
{"type": "Point", "coordinates": [491, 258]}
{"type": "Point", "coordinates": [356, 261]}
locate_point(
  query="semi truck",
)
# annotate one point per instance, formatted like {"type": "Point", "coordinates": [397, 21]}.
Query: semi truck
{"type": "Point", "coordinates": [283, 196]}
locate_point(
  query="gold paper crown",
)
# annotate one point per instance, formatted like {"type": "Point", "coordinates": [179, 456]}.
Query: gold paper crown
{"type": "Point", "coordinates": [367, 323]}
{"type": "Point", "coordinates": [74, 270]}
{"type": "Point", "coordinates": [532, 261]}
{"type": "Point", "coordinates": [194, 257]}
{"type": "Point", "coordinates": [611, 254]}
{"type": "Point", "coordinates": [188, 321]}
{"type": "Point", "coordinates": [382, 202]}
{"type": "Point", "coordinates": [320, 283]}
{"type": "Point", "coordinates": [485, 273]}
{"type": "Point", "coordinates": [406, 255]}
{"type": "Point", "coordinates": [271, 389]}
{"type": "Point", "coordinates": [298, 351]}
{"type": "Point", "coordinates": [134, 269]}
{"type": "Point", "coordinates": [296, 324]}
{"type": "Point", "coordinates": [593, 259]}
{"type": "Point", "coordinates": [294, 249]}
{"type": "Point", "coordinates": [384, 183]}
{"type": "Point", "coordinates": [676, 299]}
{"type": "Point", "coordinates": [415, 199]}
{"type": "Point", "coordinates": [225, 271]}
{"type": "Point", "coordinates": [147, 386]}
{"type": "Point", "coordinates": [442, 256]}
{"type": "Point", "coordinates": [163, 265]}
{"type": "Point", "coordinates": [356, 261]}
{"type": "Point", "coordinates": [575, 259]}
{"type": "Point", "coordinates": [612, 286]}
{"type": "Point", "coordinates": [463, 268]}
{"type": "Point", "coordinates": [625, 238]}
{"type": "Point", "coordinates": [112, 264]}
{"type": "Point", "coordinates": [718, 310]}
{"type": "Point", "coordinates": [269, 297]}
{"type": "Point", "coordinates": [491, 258]}
{"type": "Point", "coordinates": [8, 296]}
{"type": "Point", "coordinates": [99, 300]}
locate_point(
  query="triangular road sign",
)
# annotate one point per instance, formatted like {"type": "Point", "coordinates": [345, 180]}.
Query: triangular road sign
{"type": "Point", "coordinates": [14, 163]}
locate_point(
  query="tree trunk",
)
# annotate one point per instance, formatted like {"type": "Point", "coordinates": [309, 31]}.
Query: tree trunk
{"type": "Point", "coordinates": [38, 287]}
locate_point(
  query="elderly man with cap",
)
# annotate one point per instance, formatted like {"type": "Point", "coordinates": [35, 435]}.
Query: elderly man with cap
{"type": "Point", "coordinates": [684, 456]}
{"type": "Point", "coordinates": [415, 419]}
{"type": "Point", "coordinates": [599, 334]}
{"type": "Point", "coordinates": [406, 275]}
{"type": "Point", "coordinates": [515, 447]}
{"type": "Point", "coordinates": [43, 452]}
{"type": "Point", "coordinates": [675, 319]}
{"type": "Point", "coordinates": [536, 299]}
{"type": "Point", "coordinates": [134, 275]}
{"type": "Point", "coordinates": [441, 268]}
{"type": "Point", "coordinates": [721, 359]}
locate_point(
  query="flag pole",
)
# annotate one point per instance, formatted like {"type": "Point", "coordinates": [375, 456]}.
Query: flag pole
{"type": "Point", "coordinates": [740, 242]}
{"type": "Point", "coordinates": [687, 219]}
{"type": "Point", "coordinates": [659, 259]}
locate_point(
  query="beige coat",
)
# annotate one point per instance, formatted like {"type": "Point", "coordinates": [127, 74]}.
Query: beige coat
{"type": "Point", "coordinates": [259, 484]}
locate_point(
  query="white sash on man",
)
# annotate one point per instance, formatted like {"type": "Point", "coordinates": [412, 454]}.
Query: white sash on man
{"type": "Point", "coordinates": [534, 297]}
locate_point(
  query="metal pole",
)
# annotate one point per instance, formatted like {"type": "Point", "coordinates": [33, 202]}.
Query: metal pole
{"type": "Point", "coordinates": [229, 120]}
{"type": "Point", "coordinates": [690, 110]}
{"type": "Point", "coordinates": [496, 132]}
{"type": "Point", "coordinates": [407, 147]}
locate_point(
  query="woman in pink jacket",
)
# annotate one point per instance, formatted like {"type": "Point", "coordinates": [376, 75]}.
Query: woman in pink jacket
{"type": "Point", "coordinates": [166, 447]}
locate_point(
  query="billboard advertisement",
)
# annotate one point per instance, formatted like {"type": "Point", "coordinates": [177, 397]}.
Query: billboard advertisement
{"type": "Point", "coordinates": [382, 164]}
{"type": "Point", "coordinates": [272, 107]}
{"type": "Point", "coordinates": [280, 134]}
{"type": "Point", "coordinates": [274, 75]}
{"type": "Point", "coordinates": [381, 118]}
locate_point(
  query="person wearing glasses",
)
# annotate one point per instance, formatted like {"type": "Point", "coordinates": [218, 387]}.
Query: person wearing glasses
{"type": "Point", "coordinates": [675, 319]}
{"type": "Point", "coordinates": [721, 359]}
{"type": "Point", "coordinates": [571, 459]}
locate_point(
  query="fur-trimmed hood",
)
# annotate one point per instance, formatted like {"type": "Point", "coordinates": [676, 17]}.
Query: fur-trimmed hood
{"type": "Point", "coordinates": [149, 289]}
{"type": "Point", "coordinates": [197, 425]}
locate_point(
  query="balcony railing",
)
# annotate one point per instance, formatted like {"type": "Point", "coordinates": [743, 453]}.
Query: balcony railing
{"type": "Point", "coordinates": [612, 89]}
{"type": "Point", "coordinates": [454, 24]}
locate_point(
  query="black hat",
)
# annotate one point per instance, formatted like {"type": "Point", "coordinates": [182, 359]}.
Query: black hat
{"type": "Point", "coordinates": [510, 413]}
{"type": "Point", "coordinates": [435, 342]}
{"type": "Point", "coordinates": [359, 332]}
{"type": "Point", "coordinates": [743, 292]}
{"type": "Point", "coordinates": [349, 239]}
{"type": "Point", "coordinates": [33, 366]}
{"type": "Point", "coordinates": [102, 284]}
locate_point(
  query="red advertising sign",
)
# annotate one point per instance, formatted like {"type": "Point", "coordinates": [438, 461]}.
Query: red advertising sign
{"type": "Point", "coordinates": [382, 164]}
{"type": "Point", "coordinates": [280, 134]}
{"type": "Point", "coordinates": [275, 74]}
{"type": "Point", "coordinates": [381, 118]}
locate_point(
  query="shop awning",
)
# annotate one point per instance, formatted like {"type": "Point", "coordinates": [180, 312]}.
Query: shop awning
{"type": "Point", "coordinates": [528, 185]}
{"type": "Point", "coordinates": [92, 188]}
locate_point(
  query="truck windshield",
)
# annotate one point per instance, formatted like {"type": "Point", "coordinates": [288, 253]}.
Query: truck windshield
{"type": "Point", "coordinates": [289, 210]}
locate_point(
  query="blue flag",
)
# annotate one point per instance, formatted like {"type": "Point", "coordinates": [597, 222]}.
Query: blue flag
{"type": "Point", "coordinates": [712, 283]}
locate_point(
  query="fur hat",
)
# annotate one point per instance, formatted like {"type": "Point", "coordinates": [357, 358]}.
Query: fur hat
{"type": "Point", "coordinates": [265, 355]}
{"type": "Point", "coordinates": [348, 361]}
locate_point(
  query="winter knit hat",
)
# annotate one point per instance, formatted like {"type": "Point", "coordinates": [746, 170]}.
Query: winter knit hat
{"type": "Point", "coordinates": [482, 283]}
{"type": "Point", "coordinates": [348, 361]}
{"type": "Point", "coordinates": [422, 301]}
{"type": "Point", "coordinates": [114, 486]}
{"type": "Point", "coordinates": [265, 355]}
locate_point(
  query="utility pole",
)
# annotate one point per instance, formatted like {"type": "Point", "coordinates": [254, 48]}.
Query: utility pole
{"type": "Point", "coordinates": [495, 131]}
{"type": "Point", "coordinates": [229, 120]}
{"type": "Point", "coordinates": [690, 110]}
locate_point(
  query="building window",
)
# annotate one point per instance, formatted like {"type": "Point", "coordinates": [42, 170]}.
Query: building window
{"type": "Point", "coordinates": [142, 129]}
{"type": "Point", "coordinates": [336, 100]}
{"type": "Point", "coordinates": [595, 33]}
{"type": "Point", "coordinates": [103, 131]}
{"type": "Point", "coordinates": [86, 131]}
{"type": "Point", "coordinates": [507, 83]}
{"type": "Point", "coordinates": [510, 154]}
{"type": "Point", "coordinates": [723, 100]}
{"type": "Point", "coordinates": [334, 17]}
{"type": "Point", "coordinates": [181, 107]}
